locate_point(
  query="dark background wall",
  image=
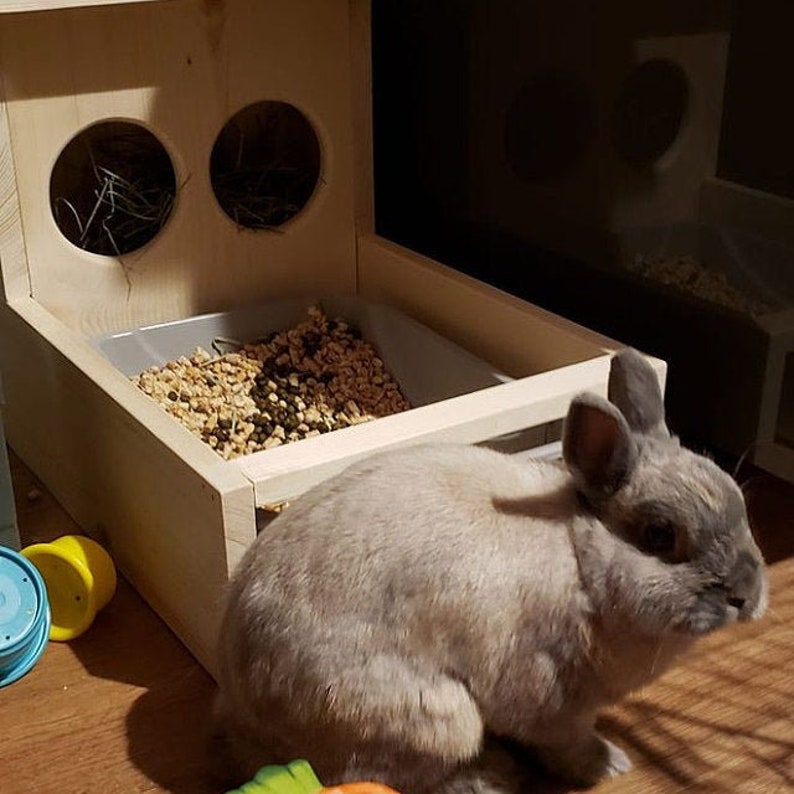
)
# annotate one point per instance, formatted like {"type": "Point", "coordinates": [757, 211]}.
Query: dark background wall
{"type": "Point", "coordinates": [429, 73]}
{"type": "Point", "coordinates": [757, 144]}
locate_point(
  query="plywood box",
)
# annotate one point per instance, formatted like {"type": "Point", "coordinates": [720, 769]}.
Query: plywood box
{"type": "Point", "coordinates": [174, 514]}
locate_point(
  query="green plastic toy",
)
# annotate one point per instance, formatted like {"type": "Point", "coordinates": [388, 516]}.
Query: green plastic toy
{"type": "Point", "coordinates": [297, 777]}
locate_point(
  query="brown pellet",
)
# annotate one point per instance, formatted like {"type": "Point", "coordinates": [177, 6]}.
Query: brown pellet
{"type": "Point", "coordinates": [314, 378]}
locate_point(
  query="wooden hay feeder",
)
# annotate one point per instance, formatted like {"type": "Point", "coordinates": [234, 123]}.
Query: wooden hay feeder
{"type": "Point", "coordinates": [91, 247]}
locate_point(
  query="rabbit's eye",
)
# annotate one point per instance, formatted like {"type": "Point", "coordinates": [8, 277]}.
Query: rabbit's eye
{"type": "Point", "coordinates": [659, 538]}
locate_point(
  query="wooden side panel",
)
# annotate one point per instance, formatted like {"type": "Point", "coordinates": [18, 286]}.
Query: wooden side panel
{"type": "Point", "coordinates": [14, 280]}
{"type": "Point", "coordinates": [126, 472]}
{"type": "Point", "coordinates": [182, 69]}
{"type": "Point", "coordinates": [511, 334]}
{"type": "Point", "coordinates": [361, 84]}
{"type": "Point", "coordinates": [14, 6]}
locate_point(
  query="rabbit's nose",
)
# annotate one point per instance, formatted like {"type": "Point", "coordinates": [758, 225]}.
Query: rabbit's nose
{"type": "Point", "coordinates": [746, 587]}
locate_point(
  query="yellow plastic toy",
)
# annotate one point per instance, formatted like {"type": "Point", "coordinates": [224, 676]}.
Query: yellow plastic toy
{"type": "Point", "coordinates": [80, 578]}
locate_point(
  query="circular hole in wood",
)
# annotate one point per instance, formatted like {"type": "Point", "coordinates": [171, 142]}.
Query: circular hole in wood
{"type": "Point", "coordinates": [549, 125]}
{"type": "Point", "coordinates": [265, 165]}
{"type": "Point", "coordinates": [649, 111]}
{"type": "Point", "coordinates": [112, 188]}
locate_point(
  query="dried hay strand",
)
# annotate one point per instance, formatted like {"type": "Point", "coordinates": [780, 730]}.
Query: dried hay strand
{"type": "Point", "coordinates": [265, 165]}
{"type": "Point", "coordinates": [113, 188]}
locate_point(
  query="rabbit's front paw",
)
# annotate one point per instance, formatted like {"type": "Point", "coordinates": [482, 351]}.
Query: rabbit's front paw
{"type": "Point", "coordinates": [616, 762]}
{"type": "Point", "coordinates": [586, 761]}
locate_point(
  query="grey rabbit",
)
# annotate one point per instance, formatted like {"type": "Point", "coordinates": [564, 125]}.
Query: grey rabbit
{"type": "Point", "coordinates": [397, 616]}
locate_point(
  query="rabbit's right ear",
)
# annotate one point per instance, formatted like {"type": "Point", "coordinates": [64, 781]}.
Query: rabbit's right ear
{"type": "Point", "coordinates": [634, 389]}
{"type": "Point", "coordinates": [597, 446]}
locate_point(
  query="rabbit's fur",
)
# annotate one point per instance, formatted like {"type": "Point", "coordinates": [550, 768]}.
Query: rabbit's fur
{"type": "Point", "coordinates": [395, 618]}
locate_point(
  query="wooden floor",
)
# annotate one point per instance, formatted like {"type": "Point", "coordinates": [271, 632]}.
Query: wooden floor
{"type": "Point", "coordinates": [124, 708]}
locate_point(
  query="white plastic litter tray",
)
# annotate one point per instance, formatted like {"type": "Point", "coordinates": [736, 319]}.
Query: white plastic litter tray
{"type": "Point", "coordinates": [427, 367]}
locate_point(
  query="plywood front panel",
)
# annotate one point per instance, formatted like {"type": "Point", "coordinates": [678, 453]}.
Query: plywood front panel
{"type": "Point", "coordinates": [282, 473]}
{"type": "Point", "coordinates": [182, 69]}
{"type": "Point", "coordinates": [172, 514]}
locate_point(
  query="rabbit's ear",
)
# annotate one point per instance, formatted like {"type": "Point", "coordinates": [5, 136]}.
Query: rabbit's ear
{"type": "Point", "coordinates": [598, 446]}
{"type": "Point", "coordinates": [634, 389]}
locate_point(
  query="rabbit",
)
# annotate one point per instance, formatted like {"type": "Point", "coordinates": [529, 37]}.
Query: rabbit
{"type": "Point", "coordinates": [401, 620]}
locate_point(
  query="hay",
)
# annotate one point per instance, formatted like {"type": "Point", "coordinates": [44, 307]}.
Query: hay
{"type": "Point", "coordinates": [265, 165]}
{"type": "Point", "coordinates": [113, 189]}
{"type": "Point", "coordinates": [262, 198]}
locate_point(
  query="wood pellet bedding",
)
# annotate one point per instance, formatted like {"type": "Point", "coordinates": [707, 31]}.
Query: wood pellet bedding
{"type": "Point", "coordinates": [688, 274]}
{"type": "Point", "coordinates": [313, 378]}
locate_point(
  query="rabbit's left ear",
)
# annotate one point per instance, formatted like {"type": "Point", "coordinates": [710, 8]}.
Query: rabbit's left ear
{"type": "Point", "coordinates": [634, 389]}
{"type": "Point", "coordinates": [597, 446]}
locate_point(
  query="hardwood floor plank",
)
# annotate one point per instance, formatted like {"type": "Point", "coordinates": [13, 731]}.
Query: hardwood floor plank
{"type": "Point", "coordinates": [121, 709]}
{"type": "Point", "coordinates": [729, 706]}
